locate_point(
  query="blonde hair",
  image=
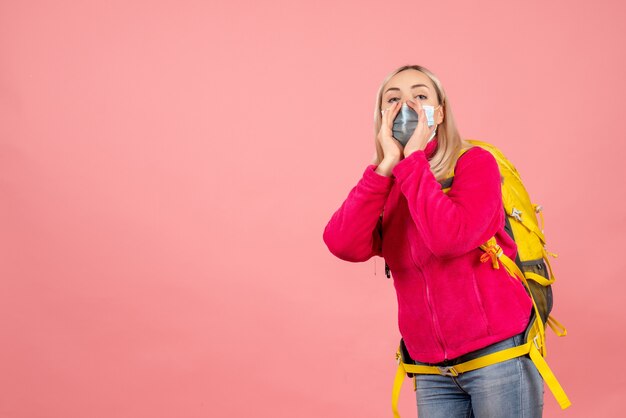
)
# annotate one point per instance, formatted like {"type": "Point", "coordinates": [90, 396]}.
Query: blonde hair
{"type": "Point", "coordinates": [449, 141]}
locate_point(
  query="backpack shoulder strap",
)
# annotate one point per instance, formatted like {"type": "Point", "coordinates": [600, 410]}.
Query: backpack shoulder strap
{"type": "Point", "coordinates": [446, 183]}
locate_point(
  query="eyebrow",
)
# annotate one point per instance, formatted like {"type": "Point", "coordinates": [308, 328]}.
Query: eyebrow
{"type": "Point", "coordinates": [412, 87]}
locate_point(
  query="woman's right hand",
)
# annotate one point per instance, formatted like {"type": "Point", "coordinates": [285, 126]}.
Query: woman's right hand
{"type": "Point", "coordinates": [392, 148]}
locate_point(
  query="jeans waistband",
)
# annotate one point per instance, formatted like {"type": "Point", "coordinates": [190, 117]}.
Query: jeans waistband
{"type": "Point", "coordinates": [500, 345]}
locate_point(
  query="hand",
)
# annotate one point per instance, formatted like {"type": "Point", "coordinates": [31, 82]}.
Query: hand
{"type": "Point", "coordinates": [392, 148]}
{"type": "Point", "coordinates": [422, 132]}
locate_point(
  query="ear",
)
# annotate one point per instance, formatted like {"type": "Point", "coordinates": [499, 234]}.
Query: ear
{"type": "Point", "coordinates": [439, 115]}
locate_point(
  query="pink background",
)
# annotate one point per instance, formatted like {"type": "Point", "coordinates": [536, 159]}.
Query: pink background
{"type": "Point", "coordinates": [167, 169]}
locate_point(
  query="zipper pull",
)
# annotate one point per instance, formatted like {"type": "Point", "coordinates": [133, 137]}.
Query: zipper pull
{"type": "Point", "coordinates": [387, 271]}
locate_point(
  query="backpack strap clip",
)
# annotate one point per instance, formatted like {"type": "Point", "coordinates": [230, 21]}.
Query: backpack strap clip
{"type": "Point", "coordinates": [536, 343]}
{"type": "Point", "coordinates": [447, 371]}
{"type": "Point", "coordinates": [492, 252]}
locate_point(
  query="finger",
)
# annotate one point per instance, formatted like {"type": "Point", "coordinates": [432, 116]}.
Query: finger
{"type": "Point", "coordinates": [383, 113]}
{"type": "Point", "coordinates": [390, 114]}
{"type": "Point", "coordinates": [422, 113]}
{"type": "Point", "coordinates": [396, 110]}
{"type": "Point", "coordinates": [386, 115]}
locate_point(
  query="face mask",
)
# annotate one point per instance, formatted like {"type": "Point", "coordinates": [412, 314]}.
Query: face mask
{"type": "Point", "coordinates": [406, 121]}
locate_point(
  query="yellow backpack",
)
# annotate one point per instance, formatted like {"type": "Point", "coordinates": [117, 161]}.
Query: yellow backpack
{"type": "Point", "coordinates": [529, 266]}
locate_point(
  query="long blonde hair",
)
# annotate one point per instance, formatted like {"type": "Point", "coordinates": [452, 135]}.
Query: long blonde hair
{"type": "Point", "coordinates": [449, 141]}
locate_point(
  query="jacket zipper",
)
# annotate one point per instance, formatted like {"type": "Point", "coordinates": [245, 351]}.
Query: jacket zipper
{"type": "Point", "coordinates": [480, 304]}
{"type": "Point", "coordinates": [434, 315]}
{"type": "Point", "coordinates": [439, 339]}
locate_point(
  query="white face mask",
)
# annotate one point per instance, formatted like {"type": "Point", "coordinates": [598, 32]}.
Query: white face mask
{"type": "Point", "coordinates": [406, 121]}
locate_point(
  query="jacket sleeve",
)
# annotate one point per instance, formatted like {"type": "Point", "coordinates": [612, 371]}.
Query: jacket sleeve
{"type": "Point", "coordinates": [469, 214]}
{"type": "Point", "coordinates": [353, 232]}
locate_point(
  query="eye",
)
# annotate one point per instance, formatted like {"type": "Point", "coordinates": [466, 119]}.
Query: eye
{"type": "Point", "coordinates": [391, 100]}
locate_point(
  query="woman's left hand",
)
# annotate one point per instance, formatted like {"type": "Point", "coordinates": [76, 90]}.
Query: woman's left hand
{"type": "Point", "coordinates": [422, 132]}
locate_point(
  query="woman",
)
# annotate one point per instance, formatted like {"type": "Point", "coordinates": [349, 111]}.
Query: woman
{"type": "Point", "coordinates": [451, 306]}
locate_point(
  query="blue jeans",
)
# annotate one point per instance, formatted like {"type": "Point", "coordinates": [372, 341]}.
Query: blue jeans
{"type": "Point", "coordinates": [509, 389]}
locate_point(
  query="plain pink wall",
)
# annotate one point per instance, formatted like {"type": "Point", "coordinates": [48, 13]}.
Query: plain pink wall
{"type": "Point", "coordinates": [167, 169]}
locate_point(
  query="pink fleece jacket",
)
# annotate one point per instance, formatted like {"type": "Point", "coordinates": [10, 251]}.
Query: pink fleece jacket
{"type": "Point", "coordinates": [449, 302]}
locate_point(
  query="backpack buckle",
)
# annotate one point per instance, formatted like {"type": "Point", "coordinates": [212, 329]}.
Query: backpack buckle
{"type": "Point", "coordinates": [447, 371]}
{"type": "Point", "coordinates": [536, 343]}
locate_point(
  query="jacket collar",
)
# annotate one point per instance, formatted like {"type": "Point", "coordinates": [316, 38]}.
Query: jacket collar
{"type": "Point", "coordinates": [431, 147]}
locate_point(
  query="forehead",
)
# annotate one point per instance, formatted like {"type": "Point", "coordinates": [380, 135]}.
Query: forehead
{"type": "Point", "coordinates": [405, 79]}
